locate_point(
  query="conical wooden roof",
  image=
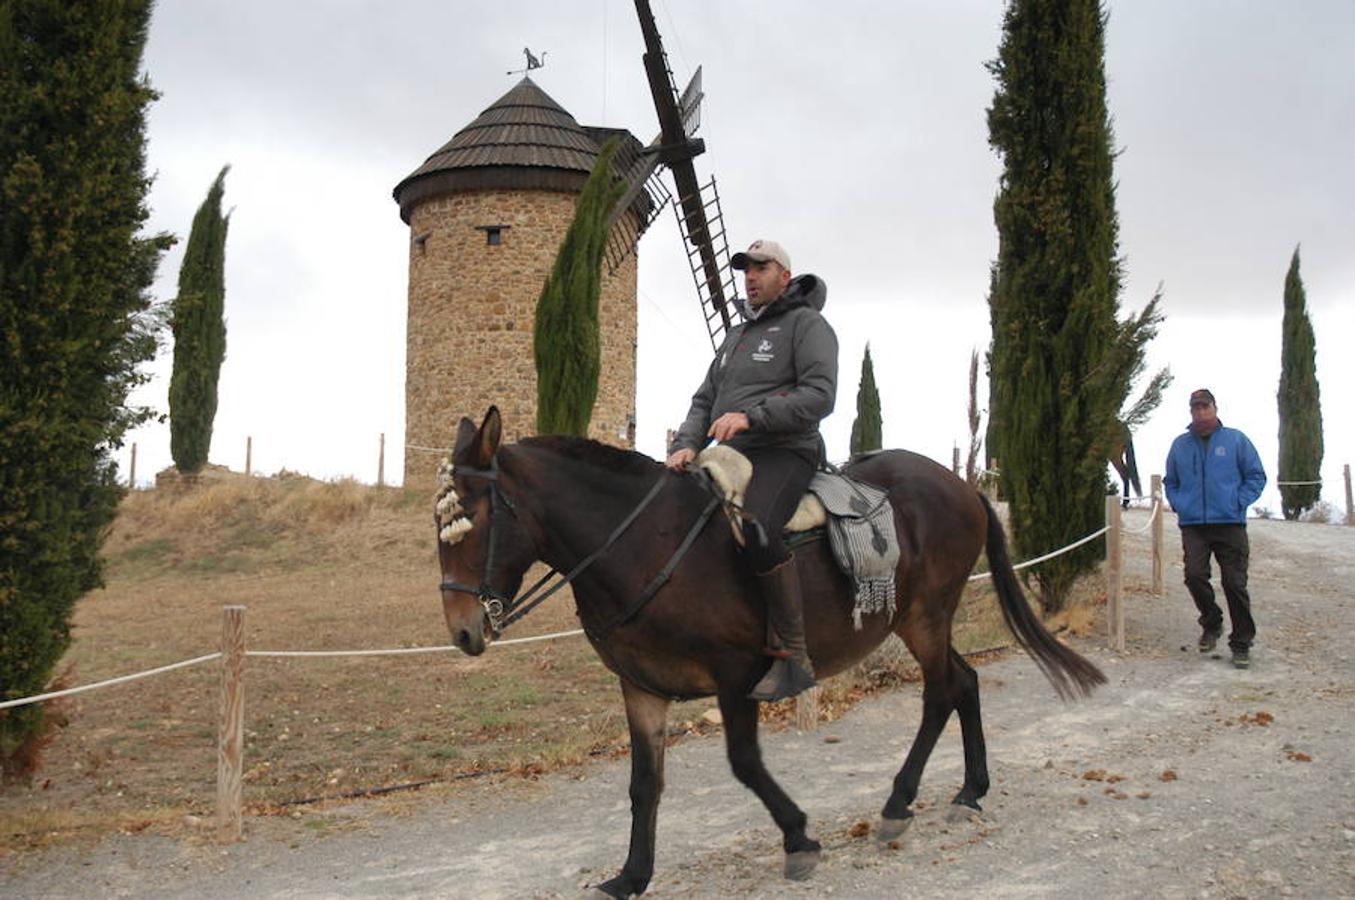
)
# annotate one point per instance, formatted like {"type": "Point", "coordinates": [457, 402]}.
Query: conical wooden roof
{"type": "Point", "coordinates": [524, 141]}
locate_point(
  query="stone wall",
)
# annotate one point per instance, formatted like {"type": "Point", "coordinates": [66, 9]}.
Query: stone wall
{"type": "Point", "coordinates": [471, 312]}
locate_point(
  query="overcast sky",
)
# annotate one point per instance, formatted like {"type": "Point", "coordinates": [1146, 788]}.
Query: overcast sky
{"type": "Point", "coordinates": [852, 132]}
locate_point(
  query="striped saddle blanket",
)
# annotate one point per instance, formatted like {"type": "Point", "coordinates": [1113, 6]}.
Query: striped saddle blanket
{"type": "Point", "coordinates": [861, 533]}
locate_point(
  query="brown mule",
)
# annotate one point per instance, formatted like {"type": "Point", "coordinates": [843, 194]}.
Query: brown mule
{"type": "Point", "coordinates": [615, 519]}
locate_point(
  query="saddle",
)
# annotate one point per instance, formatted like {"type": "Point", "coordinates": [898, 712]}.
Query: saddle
{"type": "Point", "coordinates": [858, 518]}
{"type": "Point", "coordinates": [731, 471]}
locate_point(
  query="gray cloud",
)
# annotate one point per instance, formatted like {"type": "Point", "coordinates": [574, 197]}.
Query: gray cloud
{"type": "Point", "coordinates": [854, 132]}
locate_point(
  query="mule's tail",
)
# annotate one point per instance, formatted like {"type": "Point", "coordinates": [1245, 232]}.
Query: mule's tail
{"type": "Point", "coordinates": [1071, 674]}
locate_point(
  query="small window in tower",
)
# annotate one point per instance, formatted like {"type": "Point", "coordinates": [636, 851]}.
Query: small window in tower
{"type": "Point", "coordinates": [493, 233]}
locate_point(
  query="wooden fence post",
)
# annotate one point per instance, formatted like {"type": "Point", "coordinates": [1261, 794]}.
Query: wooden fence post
{"type": "Point", "coordinates": [807, 709]}
{"type": "Point", "coordinates": [1350, 509]}
{"type": "Point", "coordinates": [955, 458]}
{"type": "Point", "coordinates": [1159, 513]}
{"type": "Point", "coordinates": [989, 480]}
{"type": "Point", "coordinates": [231, 731]}
{"type": "Point", "coordinates": [249, 455]}
{"type": "Point", "coordinates": [131, 475]}
{"type": "Point", "coordinates": [1114, 600]}
{"type": "Point", "coordinates": [381, 463]}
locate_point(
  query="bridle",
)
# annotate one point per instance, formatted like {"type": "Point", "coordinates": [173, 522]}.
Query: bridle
{"type": "Point", "coordinates": [495, 603]}
{"type": "Point", "coordinates": [503, 610]}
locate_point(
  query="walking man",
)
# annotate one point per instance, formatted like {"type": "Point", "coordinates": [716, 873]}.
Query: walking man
{"type": "Point", "coordinates": [772, 382]}
{"type": "Point", "coordinates": [1213, 475]}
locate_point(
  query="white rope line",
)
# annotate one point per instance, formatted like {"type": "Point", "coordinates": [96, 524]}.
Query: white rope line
{"type": "Point", "coordinates": [1073, 546]}
{"type": "Point", "coordinates": [1152, 514]}
{"type": "Point", "coordinates": [321, 653]}
{"type": "Point", "coordinates": [404, 650]}
{"type": "Point", "coordinates": [1048, 556]}
{"type": "Point", "coordinates": [109, 683]}
{"type": "Point", "coordinates": [539, 637]}
{"type": "Point", "coordinates": [442, 450]}
{"type": "Point", "coordinates": [23, 701]}
{"type": "Point", "coordinates": [1295, 483]}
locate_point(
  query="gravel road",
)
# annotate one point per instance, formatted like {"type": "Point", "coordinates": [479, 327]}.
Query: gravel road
{"type": "Point", "coordinates": [1180, 778]}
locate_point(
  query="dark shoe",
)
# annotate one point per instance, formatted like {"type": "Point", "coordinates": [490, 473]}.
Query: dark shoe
{"type": "Point", "coordinates": [1241, 659]}
{"type": "Point", "coordinates": [791, 672]}
{"type": "Point", "coordinates": [1208, 640]}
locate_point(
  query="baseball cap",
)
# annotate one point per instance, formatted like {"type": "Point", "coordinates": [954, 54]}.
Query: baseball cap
{"type": "Point", "coordinates": [1202, 396]}
{"type": "Point", "coordinates": [762, 251]}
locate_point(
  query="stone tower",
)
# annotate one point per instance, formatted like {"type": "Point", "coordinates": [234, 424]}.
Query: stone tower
{"type": "Point", "coordinates": [486, 215]}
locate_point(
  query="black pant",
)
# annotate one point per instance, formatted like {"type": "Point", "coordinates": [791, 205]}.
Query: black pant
{"type": "Point", "coordinates": [780, 479]}
{"type": "Point", "coordinates": [1231, 548]}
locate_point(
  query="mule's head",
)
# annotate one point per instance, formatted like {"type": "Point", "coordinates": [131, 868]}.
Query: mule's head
{"type": "Point", "coordinates": [483, 550]}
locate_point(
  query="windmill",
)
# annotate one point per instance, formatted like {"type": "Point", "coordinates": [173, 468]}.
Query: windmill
{"type": "Point", "coordinates": [697, 205]}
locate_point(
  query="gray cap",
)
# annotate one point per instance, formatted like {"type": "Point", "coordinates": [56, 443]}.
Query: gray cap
{"type": "Point", "coordinates": [762, 251]}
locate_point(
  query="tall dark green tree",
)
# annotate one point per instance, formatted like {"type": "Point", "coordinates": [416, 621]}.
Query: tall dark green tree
{"type": "Point", "coordinates": [566, 340]}
{"type": "Point", "coordinates": [199, 326]}
{"type": "Point", "coordinates": [1058, 371]}
{"type": "Point", "coordinates": [76, 319]}
{"type": "Point", "coordinates": [868, 427]}
{"type": "Point", "coordinates": [1300, 401]}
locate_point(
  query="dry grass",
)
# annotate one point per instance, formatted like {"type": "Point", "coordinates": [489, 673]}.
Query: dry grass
{"type": "Point", "coordinates": [321, 566]}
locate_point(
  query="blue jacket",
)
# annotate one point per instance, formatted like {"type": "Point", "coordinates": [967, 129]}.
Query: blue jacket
{"type": "Point", "coordinates": [1212, 481]}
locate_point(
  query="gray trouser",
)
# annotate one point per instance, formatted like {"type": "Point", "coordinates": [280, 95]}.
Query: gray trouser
{"type": "Point", "coordinates": [1229, 545]}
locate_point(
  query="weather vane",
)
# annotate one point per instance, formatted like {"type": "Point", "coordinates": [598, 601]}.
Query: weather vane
{"type": "Point", "coordinates": [533, 62]}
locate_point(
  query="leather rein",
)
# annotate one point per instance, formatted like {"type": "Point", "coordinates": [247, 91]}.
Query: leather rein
{"type": "Point", "coordinates": [503, 610]}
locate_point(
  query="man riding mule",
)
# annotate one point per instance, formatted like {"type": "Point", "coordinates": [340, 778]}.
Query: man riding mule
{"type": "Point", "coordinates": [771, 383]}
{"type": "Point", "coordinates": [667, 605]}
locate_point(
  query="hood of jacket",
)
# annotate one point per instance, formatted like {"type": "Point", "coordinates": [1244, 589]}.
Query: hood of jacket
{"type": "Point", "coordinates": [803, 290]}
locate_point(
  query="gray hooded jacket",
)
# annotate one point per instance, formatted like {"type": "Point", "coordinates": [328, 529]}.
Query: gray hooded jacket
{"type": "Point", "coordinates": [780, 370]}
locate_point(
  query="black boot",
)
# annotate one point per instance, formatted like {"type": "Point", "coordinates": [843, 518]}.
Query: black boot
{"type": "Point", "coordinates": [791, 671]}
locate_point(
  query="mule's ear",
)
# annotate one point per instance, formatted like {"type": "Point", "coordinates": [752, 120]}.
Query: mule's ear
{"type": "Point", "coordinates": [465, 438]}
{"type": "Point", "coordinates": [487, 438]}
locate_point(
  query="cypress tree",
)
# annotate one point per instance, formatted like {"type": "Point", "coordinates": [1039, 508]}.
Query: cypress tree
{"type": "Point", "coordinates": [75, 320]}
{"type": "Point", "coordinates": [868, 427]}
{"type": "Point", "coordinates": [1300, 401]}
{"type": "Point", "coordinates": [1058, 364]}
{"type": "Point", "coordinates": [199, 328]}
{"type": "Point", "coordinates": [566, 339]}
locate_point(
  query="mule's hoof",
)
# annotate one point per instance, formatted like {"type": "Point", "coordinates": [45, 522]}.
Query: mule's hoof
{"type": "Point", "coordinates": [960, 812]}
{"type": "Point", "coordinates": [613, 889]}
{"type": "Point", "coordinates": [801, 864]}
{"type": "Point", "coordinates": [891, 829]}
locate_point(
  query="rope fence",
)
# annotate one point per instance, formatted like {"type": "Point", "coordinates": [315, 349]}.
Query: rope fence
{"type": "Point", "coordinates": [406, 650]}
{"type": "Point", "coordinates": [197, 660]}
{"type": "Point", "coordinates": [233, 653]}
{"type": "Point", "coordinates": [70, 692]}
{"type": "Point", "coordinates": [1153, 512]}
{"type": "Point", "coordinates": [1048, 556]}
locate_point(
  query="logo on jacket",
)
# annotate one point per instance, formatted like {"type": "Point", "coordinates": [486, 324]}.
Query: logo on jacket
{"type": "Point", "coordinates": [1220, 451]}
{"type": "Point", "coordinates": [763, 353]}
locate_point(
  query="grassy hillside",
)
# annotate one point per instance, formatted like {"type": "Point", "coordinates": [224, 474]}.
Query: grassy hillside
{"type": "Point", "coordinates": [318, 566]}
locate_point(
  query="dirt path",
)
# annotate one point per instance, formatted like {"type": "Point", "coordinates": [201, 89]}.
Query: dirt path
{"type": "Point", "coordinates": [1182, 777]}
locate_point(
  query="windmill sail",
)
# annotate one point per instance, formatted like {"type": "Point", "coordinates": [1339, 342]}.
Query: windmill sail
{"type": "Point", "coordinates": [698, 206]}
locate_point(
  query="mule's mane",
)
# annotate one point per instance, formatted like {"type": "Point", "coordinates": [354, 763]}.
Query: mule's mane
{"type": "Point", "coordinates": [593, 454]}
